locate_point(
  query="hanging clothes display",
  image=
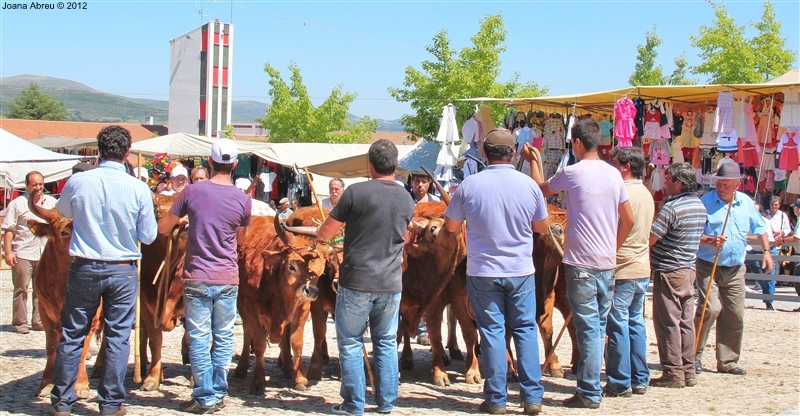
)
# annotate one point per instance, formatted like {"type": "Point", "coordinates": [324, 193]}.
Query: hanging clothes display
{"type": "Point", "coordinates": [769, 159]}
{"type": "Point", "coordinates": [687, 131]}
{"type": "Point", "coordinates": [790, 114]}
{"type": "Point", "coordinates": [793, 183]}
{"type": "Point", "coordinates": [652, 126]}
{"type": "Point", "coordinates": [723, 116]}
{"type": "Point", "coordinates": [554, 140]}
{"type": "Point", "coordinates": [659, 152]}
{"type": "Point", "coordinates": [624, 111]}
{"type": "Point", "coordinates": [787, 147]}
{"type": "Point", "coordinates": [677, 153]}
{"type": "Point", "coordinates": [727, 142]}
{"type": "Point", "coordinates": [657, 179]}
{"type": "Point", "coordinates": [638, 119]}
{"type": "Point", "coordinates": [779, 176]}
{"type": "Point", "coordinates": [471, 134]}
{"type": "Point", "coordinates": [709, 139]}
{"type": "Point", "coordinates": [739, 120]}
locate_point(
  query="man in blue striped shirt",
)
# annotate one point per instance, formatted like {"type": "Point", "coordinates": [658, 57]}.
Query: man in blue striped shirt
{"type": "Point", "coordinates": [674, 238]}
{"type": "Point", "coordinates": [110, 211]}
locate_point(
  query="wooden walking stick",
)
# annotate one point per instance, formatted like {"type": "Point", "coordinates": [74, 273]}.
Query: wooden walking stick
{"type": "Point", "coordinates": [137, 359]}
{"type": "Point", "coordinates": [318, 203]}
{"type": "Point", "coordinates": [699, 329]}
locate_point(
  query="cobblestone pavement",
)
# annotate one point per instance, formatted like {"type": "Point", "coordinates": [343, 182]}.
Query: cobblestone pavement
{"type": "Point", "coordinates": [771, 345]}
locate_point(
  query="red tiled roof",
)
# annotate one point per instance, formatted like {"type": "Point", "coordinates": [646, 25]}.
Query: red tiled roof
{"type": "Point", "coordinates": [29, 129]}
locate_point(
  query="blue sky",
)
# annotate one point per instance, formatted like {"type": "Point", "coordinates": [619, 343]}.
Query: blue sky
{"type": "Point", "coordinates": [122, 47]}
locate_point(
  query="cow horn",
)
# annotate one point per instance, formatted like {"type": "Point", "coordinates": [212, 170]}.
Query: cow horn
{"type": "Point", "coordinates": [46, 214]}
{"type": "Point", "coordinates": [280, 231]}
{"type": "Point", "coordinates": [442, 191]}
{"type": "Point", "coordinates": [301, 230]}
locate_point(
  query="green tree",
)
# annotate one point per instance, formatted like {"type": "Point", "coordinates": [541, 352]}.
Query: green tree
{"type": "Point", "coordinates": [291, 117]}
{"type": "Point", "coordinates": [34, 104]}
{"type": "Point", "coordinates": [646, 72]}
{"type": "Point", "coordinates": [451, 75]}
{"type": "Point", "coordinates": [730, 58]}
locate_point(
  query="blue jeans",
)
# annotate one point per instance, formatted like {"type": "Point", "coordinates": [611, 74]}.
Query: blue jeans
{"type": "Point", "coordinates": [768, 286]}
{"type": "Point", "coordinates": [626, 354]}
{"type": "Point", "coordinates": [589, 293]}
{"type": "Point", "coordinates": [352, 310]}
{"type": "Point", "coordinates": [87, 284]}
{"type": "Point", "coordinates": [499, 303]}
{"type": "Point", "coordinates": [210, 314]}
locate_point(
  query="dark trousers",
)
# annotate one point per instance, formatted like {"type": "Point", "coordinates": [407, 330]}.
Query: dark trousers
{"type": "Point", "coordinates": [87, 284]}
{"type": "Point", "coordinates": [673, 320]}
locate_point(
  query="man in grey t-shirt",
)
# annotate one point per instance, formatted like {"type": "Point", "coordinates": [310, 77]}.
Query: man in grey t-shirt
{"type": "Point", "coordinates": [376, 214]}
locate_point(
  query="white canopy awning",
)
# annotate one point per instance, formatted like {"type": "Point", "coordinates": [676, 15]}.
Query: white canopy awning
{"type": "Point", "coordinates": [56, 142]}
{"type": "Point", "coordinates": [18, 157]}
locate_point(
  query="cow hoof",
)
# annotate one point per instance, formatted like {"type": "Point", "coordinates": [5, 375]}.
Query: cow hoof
{"type": "Point", "coordinates": [240, 372]}
{"type": "Point", "coordinates": [406, 365]}
{"type": "Point", "coordinates": [456, 355]}
{"type": "Point", "coordinates": [45, 391]}
{"type": "Point", "coordinates": [257, 388]}
{"type": "Point", "coordinates": [301, 386]}
{"type": "Point", "coordinates": [557, 373]}
{"type": "Point", "coordinates": [314, 374]}
{"type": "Point", "coordinates": [150, 385]}
{"type": "Point", "coordinates": [472, 378]}
{"type": "Point", "coordinates": [82, 393]}
{"type": "Point", "coordinates": [441, 380]}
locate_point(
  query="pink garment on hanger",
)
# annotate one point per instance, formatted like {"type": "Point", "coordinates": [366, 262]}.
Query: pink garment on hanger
{"type": "Point", "coordinates": [624, 129]}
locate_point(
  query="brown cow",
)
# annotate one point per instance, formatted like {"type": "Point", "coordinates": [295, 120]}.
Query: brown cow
{"type": "Point", "coordinates": [431, 258]}
{"type": "Point", "coordinates": [551, 289]}
{"type": "Point", "coordinates": [50, 286]}
{"type": "Point", "coordinates": [162, 303]}
{"type": "Point", "coordinates": [278, 274]}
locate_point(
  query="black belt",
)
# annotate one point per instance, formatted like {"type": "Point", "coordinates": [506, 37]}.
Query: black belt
{"type": "Point", "coordinates": [122, 263]}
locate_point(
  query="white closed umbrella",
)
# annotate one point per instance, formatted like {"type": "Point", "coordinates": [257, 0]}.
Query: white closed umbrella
{"type": "Point", "coordinates": [447, 137]}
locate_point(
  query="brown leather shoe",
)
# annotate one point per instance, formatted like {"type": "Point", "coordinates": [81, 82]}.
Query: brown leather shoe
{"type": "Point", "coordinates": [576, 402]}
{"type": "Point", "coordinates": [492, 410]}
{"type": "Point", "coordinates": [533, 408]}
{"type": "Point", "coordinates": [672, 382]}
{"type": "Point", "coordinates": [54, 412]}
{"type": "Point", "coordinates": [691, 382]}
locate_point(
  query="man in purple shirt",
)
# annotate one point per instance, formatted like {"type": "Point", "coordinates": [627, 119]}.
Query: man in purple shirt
{"type": "Point", "coordinates": [219, 215]}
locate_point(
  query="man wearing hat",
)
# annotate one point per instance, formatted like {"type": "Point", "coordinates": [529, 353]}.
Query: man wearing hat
{"type": "Point", "coordinates": [211, 273]}
{"type": "Point", "coordinates": [726, 297]}
{"type": "Point", "coordinates": [599, 219]}
{"type": "Point", "coordinates": [284, 210]}
{"type": "Point", "coordinates": [178, 178]}
{"type": "Point", "coordinates": [502, 208]}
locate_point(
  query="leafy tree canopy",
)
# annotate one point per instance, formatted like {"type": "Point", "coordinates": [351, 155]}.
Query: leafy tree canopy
{"type": "Point", "coordinates": [646, 72]}
{"type": "Point", "coordinates": [731, 58]}
{"type": "Point", "coordinates": [34, 104]}
{"type": "Point", "coordinates": [293, 118]}
{"type": "Point", "coordinates": [451, 75]}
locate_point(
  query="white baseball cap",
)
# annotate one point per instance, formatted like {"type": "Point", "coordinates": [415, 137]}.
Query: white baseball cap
{"type": "Point", "coordinates": [224, 151]}
{"type": "Point", "coordinates": [179, 171]}
{"type": "Point", "coordinates": [142, 172]}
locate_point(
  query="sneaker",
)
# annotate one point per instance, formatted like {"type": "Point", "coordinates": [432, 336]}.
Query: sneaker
{"type": "Point", "coordinates": [424, 340]}
{"type": "Point", "coordinates": [607, 392]}
{"type": "Point", "coordinates": [338, 409]}
{"type": "Point", "coordinates": [192, 407]}
{"type": "Point", "coordinates": [576, 402]}
{"type": "Point", "coordinates": [639, 390]}
{"type": "Point", "coordinates": [492, 410]}
{"type": "Point", "coordinates": [533, 408]}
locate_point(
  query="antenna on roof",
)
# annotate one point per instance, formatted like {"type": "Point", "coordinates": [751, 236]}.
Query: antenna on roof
{"type": "Point", "coordinates": [199, 8]}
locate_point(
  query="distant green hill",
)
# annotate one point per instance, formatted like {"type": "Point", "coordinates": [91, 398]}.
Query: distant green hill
{"type": "Point", "coordinates": [87, 104]}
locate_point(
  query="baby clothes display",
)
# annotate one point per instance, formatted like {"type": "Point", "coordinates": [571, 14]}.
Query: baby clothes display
{"type": "Point", "coordinates": [659, 152]}
{"type": "Point", "coordinates": [687, 131]}
{"type": "Point", "coordinates": [624, 111]}
{"type": "Point", "coordinates": [709, 139]}
{"type": "Point", "coordinates": [787, 147]}
{"type": "Point", "coordinates": [793, 183]}
{"type": "Point", "coordinates": [739, 116]}
{"type": "Point", "coordinates": [790, 114]}
{"type": "Point", "coordinates": [750, 155]}
{"type": "Point", "coordinates": [769, 159]}
{"type": "Point", "coordinates": [657, 179]}
{"type": "Point", "coordinates": [652, 126]}
{"type": "Point", "coordinates": [779, 176]}
{"type": "Point", "coordinates": [727, 142]}
{"type": "Point", "coordinates": [677, 153]}
{"type": "Point", "coordinates": [605, 132]}
{"type": "Point", "coordinates": [638, 119]}
{"type": "Point", "coordinates": [750, 124]}
{"type": "Point", "coordinates": [723, 116]}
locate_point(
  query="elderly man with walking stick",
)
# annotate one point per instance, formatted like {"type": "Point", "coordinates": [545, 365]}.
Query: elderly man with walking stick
{"type": "Point", "coordinates": [720, 268]}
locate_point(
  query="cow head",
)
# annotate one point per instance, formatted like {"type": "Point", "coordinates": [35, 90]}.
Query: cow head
{"type": "Point", "coordinates": [298, 264]}
{"type": "Point", "coordinates": [57, 229]}
{"type": "Point", "coordinates": [162, 204]}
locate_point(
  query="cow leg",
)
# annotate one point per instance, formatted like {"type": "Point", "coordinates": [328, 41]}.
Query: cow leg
{"type": "Point", "coordinates": [244, 357]}
{"type": "Point", "coordinates": [546, 332]}
{"type": "Point", "coordinates": [434, 322]}
{"type": "Point", "coordinates": [259, 375]}
{"type": "Point", "coordinates": [469, 331]}
{"type": "Point", "coordinates": [562, 304]}
{"type": "Point", "coordinates": [407, 356]}
{"type": "Point", "coordinates": [452, 340]}
{"type": "Point", "coordinates": [319, 324]}
{"type": "Point", "coordinates": [296, 343]}
{"type": "Point", "coordinates": [185, 347]}
{"type": "Point", "coordinates": [285, 354]}
{"type": "Point", "coordinates": [100, 360]}
{"type": "Point", "coordinates": [156, 374]}
{"type": "Point", "coordinates": [52, 333]}
{"type": "Point", "coordinates": [512, 374]}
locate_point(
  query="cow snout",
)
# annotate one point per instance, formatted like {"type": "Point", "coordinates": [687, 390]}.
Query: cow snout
{"type": "Point", "coordinates": [308, 293]}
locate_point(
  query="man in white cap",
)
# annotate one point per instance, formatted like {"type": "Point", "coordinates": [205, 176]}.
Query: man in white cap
{"type": "Point", "coordinates": [260, 208]}
{"type": "Point", "coordinates": [211, 273]}
{"type": "Point", "coordinates": [284, 211]}
{"type": "Point", "coordinates": [178, 178]}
